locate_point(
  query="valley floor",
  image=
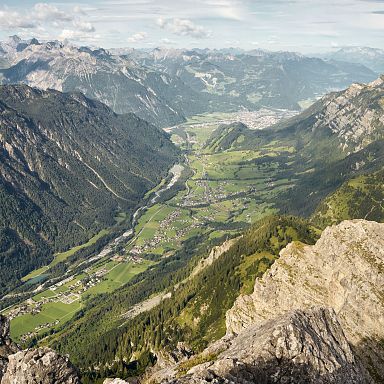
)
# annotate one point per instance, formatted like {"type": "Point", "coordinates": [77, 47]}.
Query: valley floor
{"type": "Point", "coordinates": [216, 193]}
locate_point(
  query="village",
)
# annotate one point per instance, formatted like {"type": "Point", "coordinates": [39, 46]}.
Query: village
{"type": "Point", "coordinates": [260, 119]}
{"type": "Point", "coordinates": [212, 195]}
{"type": "Point", "coordinates": [66, 291]}
{"type": "Point", "coordinates": [161, 236]}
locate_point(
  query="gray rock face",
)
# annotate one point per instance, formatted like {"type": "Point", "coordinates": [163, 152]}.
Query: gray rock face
{"type": "Point", "coordinates": [4, 329]}
{"type": "Point", "coordinates": [39, 366]}
{"type": "Point", "coordinates": [344, 271]}
{"type": "Point", "coordinates": [352, 115]}
{"type": "Point", "coordinates": [7, 347]}
{"type": "Point", "coordinates": [299, 347]}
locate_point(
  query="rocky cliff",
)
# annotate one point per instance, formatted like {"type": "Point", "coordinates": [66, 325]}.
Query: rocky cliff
{"type": "Point", "coordinates": [354, 115]}
{"type": "Point", "coordinates": [344, 271]}
{"type": "Point", "coordinates": [7, 347]}
{"type": "Point", "coordinates": [299, 347]}
{"type": "Point", "coordinates": [39, 366]}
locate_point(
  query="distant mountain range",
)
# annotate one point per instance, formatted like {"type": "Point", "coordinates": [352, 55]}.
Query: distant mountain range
{"type": "Point", "coordinates": [164, 86]}
{"type": "Point", "coordinates": [256, 78]}
{"type": "Point", "coordinates": [114, 80]}
{"type": "Point", "coordinates": [372, 58]}
{"type": "Point", "coordinates": [68, 164]}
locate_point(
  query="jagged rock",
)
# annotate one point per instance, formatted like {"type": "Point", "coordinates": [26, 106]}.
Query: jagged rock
{"type": "Point", "coordinates": [344, 271]}
{"type": "Point", "coordinates": [4, 329]}
{"type": "Point", "coordinates": [7, 347]}
{"type": "Point", "coordinates": [299, 347]}
{"type": "Point", "coordinates": [39, 366]}
{"type": "Point", "coordinates": [352, 115]}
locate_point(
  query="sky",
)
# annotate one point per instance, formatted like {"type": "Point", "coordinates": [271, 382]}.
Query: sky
{"type": "Point", "coordinates": [306, 26]}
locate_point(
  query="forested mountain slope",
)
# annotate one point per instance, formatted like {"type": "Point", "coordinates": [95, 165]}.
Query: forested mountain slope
{"type": "Point", "coordinates": [194, 314]}
{"type": "Point", "coordinates": [68, 164]}
{"type": "Point", "coordinates": [337, 125]}
{"type": "Point", "coordinates": [361, 197]}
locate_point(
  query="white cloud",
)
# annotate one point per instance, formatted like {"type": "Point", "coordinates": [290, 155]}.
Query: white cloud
{"type": "Point", "coordinates": [166, 41]}
{"type": "Point", "coordinates": [48, 12]}
{"type": "Point", "coordinates": [77, 9]}
{"type": "Point", "coordinates": [138, 37]}
{"type": "Point", "coordinates": [46, 20]}
{"type": "Point", "coordinates": [78, 36]}
{"type": "Point", "coordinates": [184, 27]}
{"type": "Point", "coordinates": [83, 26]}
{"type": "Point", "coordinates": [11, 19]}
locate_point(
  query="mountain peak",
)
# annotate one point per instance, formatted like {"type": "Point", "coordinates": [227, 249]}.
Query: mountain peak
{"type": "Point", "coordinates": [302, 346]}
{"type": "Point", "coordinates": [343, 270]}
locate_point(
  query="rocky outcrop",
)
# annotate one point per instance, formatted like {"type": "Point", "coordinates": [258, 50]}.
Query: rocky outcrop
{"type": "Point", "coordinates": [7, 347]}
{"type": "Point", "coordinates": [344, 271]}
{"type": "Point", "coordinates": [299, 347]}
{"type": "Point", "coordinates": [354, 115]}
{"type": "Point", "coordinates": [32, 366]}
{"type": "Point", "coordinates": [39, 366]}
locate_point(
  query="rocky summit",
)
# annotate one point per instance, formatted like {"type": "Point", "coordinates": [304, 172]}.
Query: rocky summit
{"type": "Point", "coordinates": [299, 347]}
{"type": "Point", "coordinates": [344, 271]}
{"type": "Point", "coordinates": [39, 366]}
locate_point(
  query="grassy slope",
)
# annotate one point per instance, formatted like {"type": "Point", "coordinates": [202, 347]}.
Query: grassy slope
{"type": "Point", "coordinates": [181, 318]}
{"type": "Point", "coordinates": [118, 275]}
{"type": "Point", "coordinates": [60, 257]}
{"type": "Point", "coordinates": [358, 198]}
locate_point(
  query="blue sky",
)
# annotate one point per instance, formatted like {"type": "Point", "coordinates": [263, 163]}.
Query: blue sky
{"type": "Point", "coordinates": [296, 25]}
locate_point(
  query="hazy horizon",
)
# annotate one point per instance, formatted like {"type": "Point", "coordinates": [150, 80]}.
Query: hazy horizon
{"type": "Point", "coordinates": [277, 25]}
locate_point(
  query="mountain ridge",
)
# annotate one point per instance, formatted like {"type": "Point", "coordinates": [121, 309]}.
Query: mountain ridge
{"type": "Point", "coordinates": [346, 274]}
{"type": "Point", "coordinates": [164, 86]}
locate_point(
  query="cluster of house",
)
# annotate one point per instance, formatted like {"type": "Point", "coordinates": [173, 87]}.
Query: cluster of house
{"type": "Point", "coordinates": [30, 306]}
{"type": "Point", "coordinates": [263, 118]}
{"type": "Point", "coordinates": [211, 195]}
{"type": "Point", "coordinates": [161, 237]}
{"type": "Point", "coordinates": [37, 329]}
